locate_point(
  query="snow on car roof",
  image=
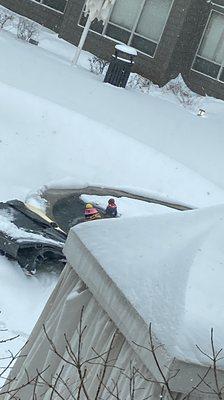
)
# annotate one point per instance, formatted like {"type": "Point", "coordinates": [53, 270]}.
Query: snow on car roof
{"type": "Point", "coordinates": [170, 268]}
{"type": "Point", "coordinates": [10, 229]}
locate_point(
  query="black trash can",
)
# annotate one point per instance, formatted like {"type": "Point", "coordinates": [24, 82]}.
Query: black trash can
{"type": "Point", "coordinates": [120, 65]}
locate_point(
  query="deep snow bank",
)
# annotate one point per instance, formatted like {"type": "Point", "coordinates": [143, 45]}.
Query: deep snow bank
{"type": "Point", "coordinates": [152, 119]}
{"type": "Point", "coordinates": [36, 149]}
{"type": "Point", "coordinates": [43, 142]}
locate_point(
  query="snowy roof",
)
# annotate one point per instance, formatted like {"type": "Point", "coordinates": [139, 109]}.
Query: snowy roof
{"type": "Point", "coordinates": [170, 268]}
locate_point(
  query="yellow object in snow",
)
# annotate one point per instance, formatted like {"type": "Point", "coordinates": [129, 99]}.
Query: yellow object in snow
{"type": "Point", "coordinates": [88, 206]}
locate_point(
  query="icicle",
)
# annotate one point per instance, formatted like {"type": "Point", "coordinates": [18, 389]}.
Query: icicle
{"type": "Point", "coordinates": [99, 9]}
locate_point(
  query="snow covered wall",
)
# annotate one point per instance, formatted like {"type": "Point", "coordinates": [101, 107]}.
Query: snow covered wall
{"type": "Point", "coordinates": [169, 268]}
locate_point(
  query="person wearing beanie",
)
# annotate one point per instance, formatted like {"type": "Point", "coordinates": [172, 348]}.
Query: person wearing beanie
{"type": "Point", "coordinates": [111, 210]}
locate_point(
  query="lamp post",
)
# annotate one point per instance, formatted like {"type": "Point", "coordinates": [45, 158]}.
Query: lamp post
{"type": "Point", "coordinates": [99, 9]}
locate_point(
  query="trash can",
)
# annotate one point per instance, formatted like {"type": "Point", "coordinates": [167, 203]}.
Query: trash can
{"type": "Point", "coordinates": [120, 65]}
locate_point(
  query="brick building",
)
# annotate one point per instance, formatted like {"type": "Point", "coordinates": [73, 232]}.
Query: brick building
{"type": "Point", "coordinates": [171, 36]}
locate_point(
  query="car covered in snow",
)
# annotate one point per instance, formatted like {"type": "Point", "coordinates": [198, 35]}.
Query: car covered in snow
{"type": "Point", "coordinates": [33, 240]}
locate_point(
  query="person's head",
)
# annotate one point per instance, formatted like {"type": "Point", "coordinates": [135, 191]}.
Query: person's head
{"type": "Point", "coordinates": [111, 201]}
{"type": "Point", "coordinates": [89, 206]}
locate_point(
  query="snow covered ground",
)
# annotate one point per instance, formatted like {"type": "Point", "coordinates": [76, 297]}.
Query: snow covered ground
{"type": "Point", "coordinates": [60, 126]}
{"type": "Point", "coordinates": [74, 147]}
{"type": "Point", "coordinates": [21, 302]}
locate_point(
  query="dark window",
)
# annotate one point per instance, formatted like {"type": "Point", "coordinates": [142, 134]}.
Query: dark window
{"type": "Point", "coordinates": [138, 23]}
{"type": "Point", "coordinates": [210, 56]}
{"type": "Point", "coordinates": [144, 45]}
{"type": "Point", "coordinates": [96, 26]}
{"type": "Point", "coordinates": [206, 67]}
{"type": "Point", "coordinates": [58, 5]}
{"type": "Point", "coordinates": [117, 33]}
{"type": "Point", "coordinates": [222, 75]}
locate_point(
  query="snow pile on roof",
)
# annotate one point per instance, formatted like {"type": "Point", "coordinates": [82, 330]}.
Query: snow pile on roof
{"type": "Point", "coordinates": [170, 267]}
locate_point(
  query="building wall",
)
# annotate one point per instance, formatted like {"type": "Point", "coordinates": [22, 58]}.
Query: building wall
{"type": "Point", "coordinates": [197, 81]}
{"type": "Point", "coordinates": [187, 47]}
{"type": "Point", "coordinates": [175, 52]}
{"type": "Point", "coordinates": [156, 68]}
{"type": "Point", "coordinates": [204, 85]}
{"type": "Point", "coordinates": [43, 15]}
{"type": "Point", "coordinates": [187, 43]}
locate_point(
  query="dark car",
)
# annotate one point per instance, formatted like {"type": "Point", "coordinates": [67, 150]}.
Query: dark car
{"type": "Point", "coordinates": [35, 242]}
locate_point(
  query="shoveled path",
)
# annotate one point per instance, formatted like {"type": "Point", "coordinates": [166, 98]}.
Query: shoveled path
{"type": "Point", "coordinates": [66, 208]}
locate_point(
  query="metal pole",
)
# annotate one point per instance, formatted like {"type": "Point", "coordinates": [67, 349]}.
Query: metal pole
{"type": "Point", "coordinates": [82, 41]}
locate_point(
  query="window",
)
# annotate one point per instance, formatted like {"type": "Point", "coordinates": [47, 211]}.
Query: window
{"type": "Point", "coordinates": [58, 5]}
{"type": "Point", "coordinates": [138, 23]}
{"type": "Point", "coordinates": [210, 56]}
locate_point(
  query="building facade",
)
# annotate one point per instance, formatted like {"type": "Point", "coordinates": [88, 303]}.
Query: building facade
{"type": "Point", "coordinates": [171, 36]}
